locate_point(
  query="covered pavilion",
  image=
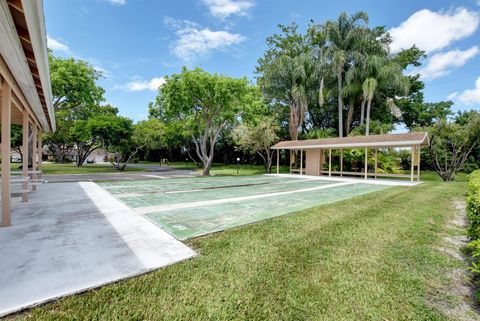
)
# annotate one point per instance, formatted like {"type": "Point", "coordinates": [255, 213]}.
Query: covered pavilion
{"type": "Point", "coordinates": [25, 93]}
{"type": "Point", "coordinates": [318, 152]}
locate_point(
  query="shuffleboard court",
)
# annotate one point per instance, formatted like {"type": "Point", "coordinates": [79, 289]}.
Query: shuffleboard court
{"type": "Point", "coordinates": [191, 207]}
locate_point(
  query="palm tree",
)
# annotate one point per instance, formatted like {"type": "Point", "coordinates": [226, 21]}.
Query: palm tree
{"type": "Point", "coordinates": [342, 38]}
{"type": "Point", "coordinates": [294, 76]}
{"type": "Point", "coordinates": [369, 87]}
{"type": "Point", "coordinates": [387, 74]}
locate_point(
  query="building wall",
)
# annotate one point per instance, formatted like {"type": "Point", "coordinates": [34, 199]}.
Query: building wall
{"type": "Point", "coordinates": [314, 161]}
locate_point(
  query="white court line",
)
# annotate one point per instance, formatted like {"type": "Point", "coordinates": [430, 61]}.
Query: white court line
{"type": "Point", "coordinates": [155, 176]}
{"type": "Point", "coordinates": [161, 208]}
{"type": "Point", "coordinates": [205, 189]}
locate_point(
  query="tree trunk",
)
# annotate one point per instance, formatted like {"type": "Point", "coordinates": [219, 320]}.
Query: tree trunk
{"type": "Point", "coordinates": [205, 145]}
{"type": "Point", "coordinates": [367, 127]}
{"type": "Point", "coordinates": [349, 117]}
{"type": "Point", "coordinates": [293, 125]}
{"type": "Point", "coordinates": [269, 161]}
{"type": "Point", "coordinates": [362, 112]}
{"type": "Point", "coordinates": [340, 104]}
{"type": "Point", "coordinates": [206, 168]}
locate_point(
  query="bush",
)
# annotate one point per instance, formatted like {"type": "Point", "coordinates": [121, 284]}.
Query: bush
{"type": "Point", "coordinates": [473, 204]}
{"type": "Point", "coordinates": [473, 213]}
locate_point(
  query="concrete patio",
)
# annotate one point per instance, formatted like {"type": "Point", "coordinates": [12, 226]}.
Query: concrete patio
{"type": "Point", "coordinates": [72, 237]}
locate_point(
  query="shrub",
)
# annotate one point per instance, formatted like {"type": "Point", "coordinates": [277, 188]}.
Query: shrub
{"type": "Point", "coordinates": [473, 213]}
{"type": "Point", "coordinates": [473, 204]}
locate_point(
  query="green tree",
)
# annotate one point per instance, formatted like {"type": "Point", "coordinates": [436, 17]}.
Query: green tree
{"type": "Point", "coordinates": [74, 83]}
{"type": "Point", "coordinates": [382, 72]}
{"type": "Point", "coordinates": [257, 137]}
{"type": "Point", "coordinates": [204, 104]}
{"type": "Point", "coordinates": [94, 130]}
{"type": "Point", "coordinates": [451, 143]}
{"type": "Point", "coordinates": [76, 97]}
{"type": "Point", "coordinates": [422, 114]}
{"type": "Point", "coordinates": [17, 139]}
{"type": "Point", "coordinates": [287, 73]}
{"type": "Point", "coordinates": [342, 45]}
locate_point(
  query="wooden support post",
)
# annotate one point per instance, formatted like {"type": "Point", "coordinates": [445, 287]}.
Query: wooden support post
{"type": "Point", "coordinates": [366, 163]}
{"type": "Point", "coordinates": [40, 152]}
{"type": "Point", "coordinates": [301, 161]}
{"type": "Point", "coordinates": [341, 162]}
{"type": "Point", "coordinates": [321, 156]}
{"type": "Point", "coordinates": [376, 162]}
{"type": "Point", "coordinates": [25, 132]}
{"type": "Point", "coordinates": [418, 163]}
{"type": "Point", "coordinates": [34, 157]}
{"type": "Point", "coordinates": [329, 162]}
{"type": "Point", "coordinates": [413, 162]}
{"type": "Point", "coordinates": [278, 161]}
{"type": "Point", "coordinates": [6, 130]}
{"type": "Point", "coordinates": [290, 161]}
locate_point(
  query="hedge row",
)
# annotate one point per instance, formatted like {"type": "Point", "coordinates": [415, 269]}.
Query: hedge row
{"type": "Point", "coordinates": [473, 204]}
{"type": "Point", "coordinates": [473, 213]}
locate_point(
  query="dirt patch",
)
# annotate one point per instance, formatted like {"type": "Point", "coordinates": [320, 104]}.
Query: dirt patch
{"type": "Point", "coordinates": [459, 288]}
{"type": "Point", "coordinates": [460, 220]}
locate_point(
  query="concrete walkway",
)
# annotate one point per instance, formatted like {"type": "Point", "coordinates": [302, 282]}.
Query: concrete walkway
{"type": "Point", "coordinates": [354, 180]}
{"type": "Point", "coordinates": [72, 237]}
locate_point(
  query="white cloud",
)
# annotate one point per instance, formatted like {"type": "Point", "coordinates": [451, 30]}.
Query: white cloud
{"type": "Point", "coordinates": [431, 31]}
{"type": "Point", "coordinates": [57, 45]}
{"type": "Point", "coordinates": [442, 63]}
{"type": "Point", "coordinates": [222, 9]}
{"type": "Point", "coordinates": [195, 43]}
{"type": "Point", "coordinates": [452, 96]}
{"type": "Point", "coordinates": [116, 2]}
{"type": "Point", "coordinates": [471, 96]}
{"type": "Point", "coordinates": [140, 85]}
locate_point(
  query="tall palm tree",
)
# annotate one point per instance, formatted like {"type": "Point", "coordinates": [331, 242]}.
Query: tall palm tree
{"type": "Point", "coordinates": [294, 76]}
{"type": "Point", "coordinates": [369, 87]}
{"type": "Point", "coordinates": [382, 72]}
{"type": "Point", "coordinates": [342, 38]}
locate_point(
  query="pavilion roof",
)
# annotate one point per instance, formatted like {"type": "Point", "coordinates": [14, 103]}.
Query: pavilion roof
{"type": "Point", "coordinates": [385, 140]}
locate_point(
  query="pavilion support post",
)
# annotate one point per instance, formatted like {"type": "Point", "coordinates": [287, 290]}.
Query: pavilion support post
{"type": "Point", "coordinates": [301, 161]}
{"type": "Point", "coordinates": [6, 145]}
{"type": "Point", "coordinates": [418, 163]}
{"type": "Point", "coordinates": [40, 152]}
{"type": "Point", "coordinates": [278, 161]}
{"type": "Point", "coordinates": [329, 162]}
{"type": "Point", "coordinates": [413, 163]}
{"type": "Point", "coordinates": [366, 163]}
{"type": "Point", "coordinates": [34, 157]}
{"type": "Point", "coordinates": [25, 131]}
{"type": "Point", "coordinates": [341, 162]}
{"type": "Point", "coordinates": [376, 162]}
{"type": "Point", "coordinates": [290, 161]}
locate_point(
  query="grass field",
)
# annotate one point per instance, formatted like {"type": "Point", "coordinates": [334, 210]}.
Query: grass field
{"type": "Point", "coordinates": [373, 257]}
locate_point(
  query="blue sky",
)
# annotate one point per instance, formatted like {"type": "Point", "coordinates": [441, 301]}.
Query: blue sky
{"type": "Point", "coordinates": [137, 42]}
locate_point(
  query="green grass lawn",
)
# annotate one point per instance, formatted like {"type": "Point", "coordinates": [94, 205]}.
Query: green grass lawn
{"type": "Point", "coordinates": [54, 168]}
{"type": "Point", "coordinates": [373, 257]}
{"type": "Point", "coordinates": [230, 169]}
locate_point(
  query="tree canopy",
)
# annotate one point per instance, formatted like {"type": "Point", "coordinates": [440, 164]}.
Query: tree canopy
{"type": "Point", "coordinates": [202, 105]}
